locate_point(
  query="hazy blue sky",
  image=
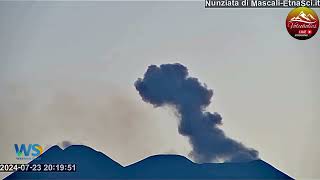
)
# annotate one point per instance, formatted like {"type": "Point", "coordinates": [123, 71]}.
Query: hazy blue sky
{"type": "Point", "coordinates": [67, 71]}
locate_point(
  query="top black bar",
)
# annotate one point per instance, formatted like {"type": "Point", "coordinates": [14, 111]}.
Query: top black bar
{"type": "Point", "coordinates": [261, 3]}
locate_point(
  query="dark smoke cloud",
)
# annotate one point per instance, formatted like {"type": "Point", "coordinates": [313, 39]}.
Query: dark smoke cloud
{"type": "Point", "coordinates": [170, 84]}
{"type": "Point", "coordinates": [65, 144]}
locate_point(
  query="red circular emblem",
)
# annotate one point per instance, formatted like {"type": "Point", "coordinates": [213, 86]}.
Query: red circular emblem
{"type": "Point", "coordinates": [302, 23]}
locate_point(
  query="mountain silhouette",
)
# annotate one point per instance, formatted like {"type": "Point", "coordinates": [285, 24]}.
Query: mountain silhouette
{"type": "Point", "coordinates": [311, 17]}
{"type": "Point", "coordinates": [302, 17]}
{"type": "Point", "coordinates": [91, 164]}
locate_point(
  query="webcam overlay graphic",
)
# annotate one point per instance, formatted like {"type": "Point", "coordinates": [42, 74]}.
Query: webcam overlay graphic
{"type": "Point", "coordinates": [302, 23]}
{"type": "Point", "coordinates": [28, 152]}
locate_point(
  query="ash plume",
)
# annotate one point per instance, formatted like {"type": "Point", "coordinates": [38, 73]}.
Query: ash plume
{"type": "Point", "coordinates": [169, 84]}
{"type": "Point", "coordinates": [66, 144]}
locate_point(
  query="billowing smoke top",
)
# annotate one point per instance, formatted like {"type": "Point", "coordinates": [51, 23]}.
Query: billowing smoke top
{"type": "Point", "coordinates": [170, 84]}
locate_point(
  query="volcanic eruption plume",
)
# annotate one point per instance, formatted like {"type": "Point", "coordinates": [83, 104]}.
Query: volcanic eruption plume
{"type": "Point", "coordinates": [170, 84]}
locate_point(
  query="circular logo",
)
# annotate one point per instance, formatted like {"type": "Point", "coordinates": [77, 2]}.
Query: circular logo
{"type": "Point", "coordinates": [302, 23]}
